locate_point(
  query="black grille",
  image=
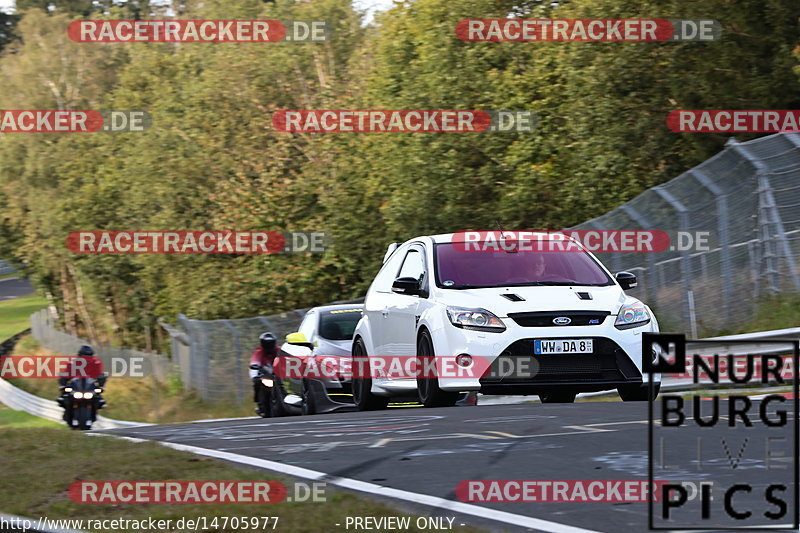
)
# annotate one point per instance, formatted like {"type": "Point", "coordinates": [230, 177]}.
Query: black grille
{"type": "Point", "coordinates": [518, 364]}
{"type": "Point", "coordinates": [543, 319]}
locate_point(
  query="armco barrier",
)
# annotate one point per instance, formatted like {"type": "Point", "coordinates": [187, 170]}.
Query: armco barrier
{"type": "Point", "coordinates": [754, 346]}
{"type": "Point", "coordinates": [7, 346]}
{"type": "Point", "coordinates": [19, 400]}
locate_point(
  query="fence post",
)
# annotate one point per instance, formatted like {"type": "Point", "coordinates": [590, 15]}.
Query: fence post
{"type": "Point", "coordinates": [721, 200]}
{"type": "Point", "coordinates": [686, 267]}
{"type": "Point", "coordinates": [644, 223]}
{"type": "Point", "coordinates": [238, 365]}
{"type": "Point", "coordinates": [766, 200]}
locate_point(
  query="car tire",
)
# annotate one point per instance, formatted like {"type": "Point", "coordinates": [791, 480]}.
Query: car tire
{"type": "Point", "coordinates": [362, 387]}
{"type": "Point", "coordinates": [308, 406]}
{"type": "Point", "coordinates": [557, 397]}
{"type": "Point", "coordinates": [638, 393]}
{"type": "Point", "coordinates": [430, 395]}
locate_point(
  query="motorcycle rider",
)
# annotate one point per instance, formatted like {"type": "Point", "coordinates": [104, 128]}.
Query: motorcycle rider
{"type": "Point", "coordinates": [89, 367]}
{"type": "Point", "coordinates": [264, 355]}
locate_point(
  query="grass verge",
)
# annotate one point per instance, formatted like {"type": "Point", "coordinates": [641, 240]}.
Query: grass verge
{"type": "Point", "coordinates": [46, 461]}
{"type": "Point", "coordinates": [10, 418]}
{"type": "Point", "coordinates": [15, 314]}
{"type": "Point", "coordinates": [776, 312]}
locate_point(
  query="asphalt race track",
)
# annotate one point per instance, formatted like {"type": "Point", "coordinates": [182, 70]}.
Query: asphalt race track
{"type": "Point", "coordinates": [14, 288]}
{"type": "Point", "coordinates": [428, 451]}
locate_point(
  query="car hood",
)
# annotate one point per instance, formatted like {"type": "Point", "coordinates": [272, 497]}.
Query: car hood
{"type": "Point", "coordinates": [539, 298]}
{"type": "Point", "coordinates": [329, 347]}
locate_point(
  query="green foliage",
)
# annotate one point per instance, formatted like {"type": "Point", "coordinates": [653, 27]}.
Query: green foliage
{"type": "Point", "coordinates": [212, 160]}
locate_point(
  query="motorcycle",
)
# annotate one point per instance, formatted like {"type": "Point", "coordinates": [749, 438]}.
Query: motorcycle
{"type": "Point", "coordinates": [273, 399]}
{"type": "Point", "coordinates": [81, 398]}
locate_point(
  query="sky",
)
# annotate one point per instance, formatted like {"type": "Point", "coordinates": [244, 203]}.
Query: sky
{"type": "Point", "coordinates": [370, 5]}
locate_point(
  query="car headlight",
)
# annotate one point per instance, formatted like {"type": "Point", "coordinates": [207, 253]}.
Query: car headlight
{"type": "Point", "coordinates": [632, 316]}
{"type": "Point", "coordinates": [477, 319]}
{"type": "Point", "coordinates": [266, 382]}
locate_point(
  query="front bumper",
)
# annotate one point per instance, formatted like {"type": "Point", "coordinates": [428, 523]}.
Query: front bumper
{"type": "Point", "coordinates": [514, 368]}
{"type": "Point", "coordinates": [330, 395]}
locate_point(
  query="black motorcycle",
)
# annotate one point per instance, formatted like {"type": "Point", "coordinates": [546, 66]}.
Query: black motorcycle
{"type": "Point", "coordinates": [81, 398]}
{"type": "Point", "coordinates": [272, 398]}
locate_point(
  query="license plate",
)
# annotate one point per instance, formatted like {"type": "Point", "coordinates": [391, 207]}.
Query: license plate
{"type": "Point", "coordinates": [544, 347]}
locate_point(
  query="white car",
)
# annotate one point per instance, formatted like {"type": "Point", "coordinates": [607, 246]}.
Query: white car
{"type": "Point", "coordinates": [325, 331]}
{"type": "Point", "coordinates": [560, 314]}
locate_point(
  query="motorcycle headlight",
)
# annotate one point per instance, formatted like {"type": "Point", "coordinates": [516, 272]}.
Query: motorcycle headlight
{"type": "Point", "coordinates": [88, 395]}
{"type": "Point", "coordinates": [98, 391]}
{"type": "Point", "coordinates": [267, 382]}
{"type": "Point", "coordinates": [477, 319]}
{"type": "Point", "coordinates": [78, 395]}
{"type": "Point", "coordinates": [68, 389]}
{"type": "Point", "coordinates": [632, 316]}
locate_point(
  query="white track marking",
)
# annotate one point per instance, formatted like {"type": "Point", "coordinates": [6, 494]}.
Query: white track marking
{"type": "Point", "coordinates": [377, 490]}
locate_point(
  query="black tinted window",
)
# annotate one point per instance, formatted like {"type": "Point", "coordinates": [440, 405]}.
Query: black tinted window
{"type": "Point", "coordinates": [339, 324]}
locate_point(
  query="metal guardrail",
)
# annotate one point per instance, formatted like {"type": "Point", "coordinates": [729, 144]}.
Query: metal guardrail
{"type": "Point", "coordinates": [738, 346]}
{"type": "Point", "coordinates": [5, 268]}
{"type": "Point", "coordinates": [20, 400]}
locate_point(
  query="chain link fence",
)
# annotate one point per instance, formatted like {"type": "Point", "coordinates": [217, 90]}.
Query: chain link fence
{"type": "Point", "coordinates": [118, 362]}
{"type": "Point", "coordinates": [213, 355]}
{"type": "Point", "coordinates": [748, 198]}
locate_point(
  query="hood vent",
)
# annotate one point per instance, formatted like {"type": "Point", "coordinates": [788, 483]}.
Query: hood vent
{"type": "Point", "coordinates": [514, 297]}
{"type": "Point", "coordinates": [584, 295]}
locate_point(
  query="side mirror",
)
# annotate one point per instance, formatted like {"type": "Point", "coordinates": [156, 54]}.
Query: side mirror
{"type": "Point", "coordinates": [626, 280]}
{"type": "Point", "coordinates": [408, 286]}
{"type": "Point", "coordinates": [299, 339]}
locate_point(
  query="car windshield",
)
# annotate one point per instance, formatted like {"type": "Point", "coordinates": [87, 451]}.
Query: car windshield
{"type": "Point", "coordinates": [339, 324]}
{"type": "Point", "coordinates": [459, 269]}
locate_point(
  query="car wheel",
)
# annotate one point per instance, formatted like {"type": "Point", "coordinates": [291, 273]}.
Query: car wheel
{"type": "Point", "coordinates": [430, 395]}
{"type": "Point", "coordinates": [308, 407]}
{"type": "Point", "coordinates": [362, 386]}
{"type": "Point", "coordinates": [638, 393]}
{"type": "Point", "coordinates": [558, 397]}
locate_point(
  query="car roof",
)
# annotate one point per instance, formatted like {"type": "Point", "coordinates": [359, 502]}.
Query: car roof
{"type": "Point", "coordinates": [336, 307]}
{"type": "Point", "coordinates": [448, 237]}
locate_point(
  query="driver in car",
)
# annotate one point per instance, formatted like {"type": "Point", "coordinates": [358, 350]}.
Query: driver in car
{"type": "Point", "coordinates": [538, 267]}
